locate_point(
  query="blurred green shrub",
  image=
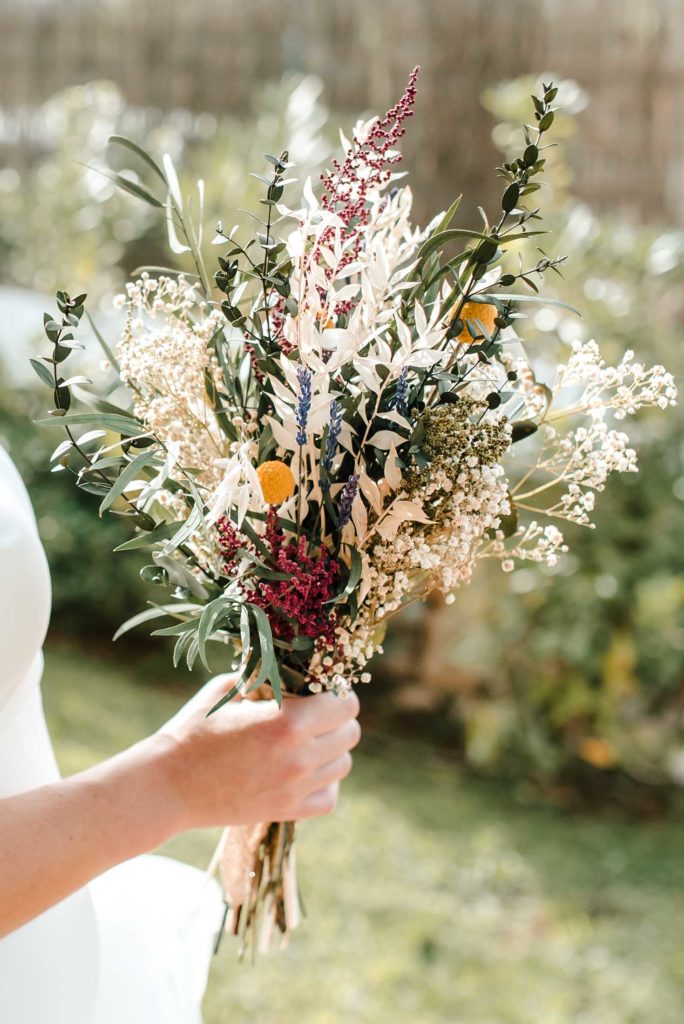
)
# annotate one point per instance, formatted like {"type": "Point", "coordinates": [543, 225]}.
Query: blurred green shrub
{"type": "Point", "coordinates": [583, 668]}
{"type": "Point", "coordinates": [65, 224]}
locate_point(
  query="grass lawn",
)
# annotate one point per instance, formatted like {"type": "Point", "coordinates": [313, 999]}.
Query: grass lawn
{"type": "Point", "coordinates": [432, 898]}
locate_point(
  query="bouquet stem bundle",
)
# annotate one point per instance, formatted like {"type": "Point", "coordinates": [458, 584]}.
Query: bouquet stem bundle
{"type": "Point", "coordinates": [258, 872]}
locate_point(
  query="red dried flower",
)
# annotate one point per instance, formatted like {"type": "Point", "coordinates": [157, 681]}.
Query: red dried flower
{"type": "Point", "coordinates": [295, 606]}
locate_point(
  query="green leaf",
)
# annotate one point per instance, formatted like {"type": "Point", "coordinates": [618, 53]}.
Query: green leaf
{"type": "Point", "coordinates": [269, 665]}
{"type": "Point", "coordinates": [62, 395]}
{"type": "Point", "coordinates": [510, 197]}
{"type": "Point", "coordinates": [121, 140]}
{"type": "Point", "coordinates": [486, 251]}
{"type": "Point", "coordinates": [266, 573]}
{"type": "Point", "coordinates": [190, 526]}
{"type": "Point", "coordinates": [231, 695]}
{"type": "Point", "coordinates": [541, 300]}
{"type": "Point", "coordinates": [119, 424]}
{"type": "Point", "coordinates": [191, 655]}
{"type": "Point", "coordinates": [61, 449]}
{"type": "Point", "coordinates": [449, 215]}
{"type": "Point", "coordinates": [208, 620]}
{"type": "Point", "coordinates": [43, 372]}
{"type": "Point", "coordinates": [103, 344]}
{"type": "Point", "coordinates": [355, 570]}
{"type": "Point", "coordinates": [179, 649]}
{"type": "Point", "coordinates": [522, 429]}
{"type": "Point", "coordinates": [150, 538]}
{"type": "Point", "coordinates": [178, 629]}
{"type": "Point", "coordinates": [531, 155]}
{"type": "Point", "coordinates": [157, 611]}
{"type": "Point", "coordinates": [130, 186]}
{"type": "Point", "coordinates": [441, 238]}
{"type": "Point", "coordinates": [518, 235]}
{"type": "Point", "coordinates": [127, 475]}
{"type": "Point", "coordinates": [136, 190]}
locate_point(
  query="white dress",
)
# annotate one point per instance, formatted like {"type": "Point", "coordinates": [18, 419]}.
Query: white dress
{"type": "Point", "coordinates": [134, 946]}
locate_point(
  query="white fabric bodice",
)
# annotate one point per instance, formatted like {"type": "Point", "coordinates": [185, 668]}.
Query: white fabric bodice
{"type": "Point", "coordinates": [133, 947]}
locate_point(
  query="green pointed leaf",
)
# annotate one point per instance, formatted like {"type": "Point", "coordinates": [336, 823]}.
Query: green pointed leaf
{"type": "Point", "coordinates": [143, 540]}
{"type": "Point", "coordinates": [103, 344]}
{"type": "Point", "coordinates": [121, 140]}
{"type": "Point", "coordinates": [43, 372]}
{"type": "Point", "coordinates": [541, 300]}
{"type": "Point", "coordinates": [124, 425]}
{"type": "Point", "coordinates": [268, 670]}
{"type": "Point", "coordinates": [441, 238]}
{"type": "Point", "coordinates": [130, 473]}
{"type": "Point", "coordinates": [155, 612]}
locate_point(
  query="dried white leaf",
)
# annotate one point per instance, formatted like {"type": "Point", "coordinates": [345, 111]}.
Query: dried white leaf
{"type": "Point", "coordinates": [371, 492]}
{"type": "Point", "coordinates": [388, 527]}
{"type": "Point", "coordinates": [395, 417]}
{"type": "Point", "coordinates": [392, 472]}
{"type": "Point", "coordinates": [409, 510]}
{"type": "Point", "coordinates": [359, 517]}
{"type": "Point", "coordinates": [175, 243]}
{"type": "Point", "coordinates": [384, 439]}
{"type": "Point", "coordinates": [284, 437]}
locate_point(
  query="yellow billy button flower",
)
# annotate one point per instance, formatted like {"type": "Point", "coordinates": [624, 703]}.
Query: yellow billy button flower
{"type": "Point", "coordinates": [277, 481]}
{"type": "Point", "coordinates": [485, 312]}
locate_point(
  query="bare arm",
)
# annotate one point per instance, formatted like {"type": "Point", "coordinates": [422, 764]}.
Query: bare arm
{"type": "Point", "coordinates": [55, 839]}
{"type": "Point", "coordinates": [248, 762]}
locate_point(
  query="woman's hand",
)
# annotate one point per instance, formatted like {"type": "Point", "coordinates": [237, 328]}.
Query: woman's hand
{"type": "Point", "coordinates": [246, 763]}
{"type": "Point", "coordinates": [251, 761]}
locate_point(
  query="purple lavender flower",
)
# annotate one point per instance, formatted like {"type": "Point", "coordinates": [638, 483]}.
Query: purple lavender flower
{"type": "Point", "coordinates": [346, 499]}
{"type": "Point", "coordinates": [303, 404]}
{"type": "Point", "coordinates": [334, 430]}
{"type": "Point", "coordinates": [401, 394]}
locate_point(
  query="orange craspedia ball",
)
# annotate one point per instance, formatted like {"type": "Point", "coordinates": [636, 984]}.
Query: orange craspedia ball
{"type": "Point", "coordinates": [485, 312]}
{"type": "Point", "coordinates": [597, 752]}
{"type": "Point", "coordinates": [277, 481]}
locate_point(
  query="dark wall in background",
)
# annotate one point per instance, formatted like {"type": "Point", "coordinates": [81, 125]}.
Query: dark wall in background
{"type": "Point", "coordinates": [208, 55]}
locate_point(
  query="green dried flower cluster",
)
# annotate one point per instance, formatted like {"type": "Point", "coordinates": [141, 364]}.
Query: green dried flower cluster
{"type": "Point", "coordinates": [449, 435]}
{"type": "Point", "coordinates": [452, 432]}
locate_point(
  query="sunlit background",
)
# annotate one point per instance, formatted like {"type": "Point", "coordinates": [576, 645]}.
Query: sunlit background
{"type": "Point", "coordinates": [510, 848]}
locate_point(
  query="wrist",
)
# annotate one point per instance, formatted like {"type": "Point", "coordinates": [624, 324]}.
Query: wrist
{"type": "Point", "coordinates": [137, 789]}
{"type": "Point", "coordinates": [166, 775]}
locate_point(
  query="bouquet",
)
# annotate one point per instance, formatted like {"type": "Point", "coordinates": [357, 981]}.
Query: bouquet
{"type": "Point", "coordinates": [339, 421]}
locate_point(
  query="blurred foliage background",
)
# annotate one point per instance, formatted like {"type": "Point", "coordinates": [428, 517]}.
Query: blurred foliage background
{"type": "Point", "coordinates": [566, 688]}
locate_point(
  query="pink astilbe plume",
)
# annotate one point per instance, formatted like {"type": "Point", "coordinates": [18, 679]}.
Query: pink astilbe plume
{"type": "Point", "coordinates": [367, 167]}
{"type": "Point", "coordinates": [294, 606]}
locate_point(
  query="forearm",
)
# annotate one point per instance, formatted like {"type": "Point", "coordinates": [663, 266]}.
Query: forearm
{"type": "Point", "coordinates": [55, 839]}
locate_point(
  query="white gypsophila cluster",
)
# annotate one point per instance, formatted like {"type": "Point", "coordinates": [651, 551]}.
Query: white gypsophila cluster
{"type": "Point", "coordinates": [534, 543]}
{"type": "Point", "coordinates": [164, 357]}
{"type": "Point", "coordinates": [573, 465]}
{"type": "Point", "coordinates": [584, 458]}
{"type": "Point", "coordinates": [443, 553]}
{"type": "Point", "coordinates": [624, 388]}
{"type": "Point", "coordinates": [354, 647]}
